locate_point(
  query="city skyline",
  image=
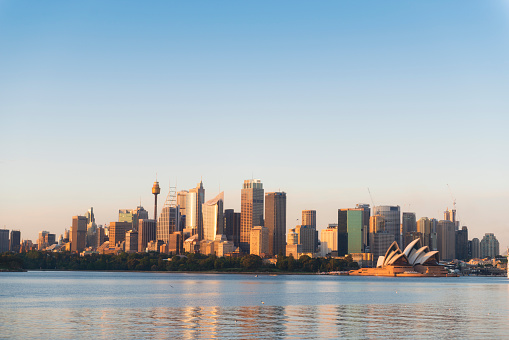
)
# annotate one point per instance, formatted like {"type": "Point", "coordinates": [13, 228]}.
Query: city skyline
{"type": "Point", "coordinates": [321, 101]}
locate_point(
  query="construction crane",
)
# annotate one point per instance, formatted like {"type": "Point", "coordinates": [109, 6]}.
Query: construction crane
{"type": "Point", "coordinates": [452, 196]}
{"type": "Point", "coordinates": [370, 196]}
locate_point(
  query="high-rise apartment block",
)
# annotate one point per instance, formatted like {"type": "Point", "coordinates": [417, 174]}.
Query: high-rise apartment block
{"type": "Point", "coordinates": [251, 210]}
{"type": "Point", "coordinates": [489, 246]}
{"type": "Point", "coordinates": [213, 219]}
{"type": "Point", "coordinates": [275, 221]}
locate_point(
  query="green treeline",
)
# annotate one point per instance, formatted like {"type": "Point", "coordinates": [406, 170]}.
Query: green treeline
{"type": "Point", "coordinates": [164, 262]}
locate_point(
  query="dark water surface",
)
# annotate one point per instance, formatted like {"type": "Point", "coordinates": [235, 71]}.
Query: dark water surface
{"type": "Point", "coordinates": [108, 305]}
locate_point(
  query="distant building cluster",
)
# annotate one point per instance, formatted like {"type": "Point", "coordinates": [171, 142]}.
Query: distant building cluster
{"type": "Point", "coordinates": [188, 223]}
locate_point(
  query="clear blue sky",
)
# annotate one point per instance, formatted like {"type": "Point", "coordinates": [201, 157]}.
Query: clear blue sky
{"type": "Point", "coordinates": [321, 100]}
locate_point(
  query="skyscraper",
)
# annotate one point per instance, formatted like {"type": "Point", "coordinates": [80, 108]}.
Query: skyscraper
{"type": "Point", "coordinates": [117, 231]}
{"type": "Point", "coordinates": [275, 221]}
{"type": "Point", "coordinates": [462, 244]}
{"type": "Point", "coordinates": [4, 240]}
{"type": "Point", "coordinates": [366, 218]}
{"type": "Point", "coordinates": [213, 219]}
{"type": "Point", "coordinates": [476, 248]}
{"type": "Point", "coordinates": [251, 210]}
{"type": "Point", "coordinates": [329, 241]}
{"type": "Point", "coordinates": [309, 217]}
{"type": "Point", "coordinates": [307, 237]}
{"type": "Point", "coordinates": [353, 221]}
{"type": "Point", "coordinates": [78, 233]}
{"type": "Point", "coordinates": [259, 241]}
{"type": "Point", "coordinates": [489, 246]}
{"type": "Point", "coordinates": [423, 226]}
{"type": "Point", "coordinates": [146, 233]}
{"type": "Point", "coordinates": [194, 202]}
{"type": "Point", "coordinates": [446, 240]}
{"type": "Point", "coordinates": [450, 215]}
{"type": "Point", "coordinates": [409, 225]}
{"type": "Point", "coordinates": [169, 219]}
{"type": "Point", "coordinates": [232, 226]}
{"type": "Point", "coordinates": [392, 218]}
{"type": "Point", "coordinates": [15, 241]}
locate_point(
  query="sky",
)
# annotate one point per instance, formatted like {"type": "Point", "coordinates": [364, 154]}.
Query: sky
{"type": "Point", "coordinates": [322, 100]}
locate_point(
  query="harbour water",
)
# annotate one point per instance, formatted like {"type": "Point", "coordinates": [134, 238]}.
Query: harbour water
{"type": "Point", "coordinates": [120, 305]}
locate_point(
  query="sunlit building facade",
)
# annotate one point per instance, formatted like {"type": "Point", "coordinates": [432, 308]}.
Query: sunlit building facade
{"type": "Point", "coordinates": [251, 210]}
{"type": "Point", "coordinates": [213, 219]}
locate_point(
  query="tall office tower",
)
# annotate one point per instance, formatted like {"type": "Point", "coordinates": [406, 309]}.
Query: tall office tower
{"type": "Point", "coordinates": [169, 220]}
{"type": "Point", "coordinates": [156, 190]}
{"type": "Point", "coordinates": [91, 238]}
{"type": "Point", "coordinates": [125, 215]}
{"type": "Point", "coordinates": [409, 225]}
{"type": "Point", "coordinates": [41, 240]}
{"type": "Point", "coordinates": [462, 244]}
{"type": "Point", "coordinates": [213, 219]}
{"type": "Point", "coordinates": [424, 227]}
{"type": "Point", "coordinates": [307, 237]}
{"type": "Point", "coordinates": [329, 240]}
{"type": "Point", "coordinates": [489, 246]}
{"type": "Point", "coordinates": [181, 202]}
{"type": "Point", "coordinates": [100, 236]}
{"type": "Point", "coordinates": [15, 241]}
{"type": "Point", "coordinates": [476, 248]}
{"type": "Point", "coordinates": [309, 217]}
{"type": "Point", "coordinates": [446, 240]}
{"type": "Point", "coordinates": [232, 226]}
{"type": "Point", "coordinates": [251, 210]}
{"type": "Point", "coordinates": [4, 240]}
{"type": "Point", "coordinates": [379, 243]}
{"type": "Point", "coordinates": [411, 236]}
{"type": "Point", "coordinates": [117, 232]}
{"type": "Point", "coordinates": [450, 215]}
{"type": "Point", "coordinates": [392, 218]}
{"type": "Point", "coordinates": [67, 238]}
{"type": "Point", "coordinates": [366, 218]}
{"type": "Point", "coordinates": [90, 215]}
{"type": "Point", "coordinates": [194, 202]}
{"type": "Point", "coordinates": [259, 241]}
{"type": "Point", "coordinates": [146, 233]}
{"type": "Point", "coordinates": [351, 220]}
{"type": "Point", "coordinates": [433, 236]}
{"type": "Point", "coordinates": [78, 233]}
{"type": "Point", "coordinates": [292, 238]}
{"type": "Point", "coordinates": [275, 221]}
{"type": "Point", "coordinates": [131, 241]}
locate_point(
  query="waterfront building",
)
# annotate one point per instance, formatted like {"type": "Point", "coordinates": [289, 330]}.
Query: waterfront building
{"type": "Point", "coordinates": [392, 218]}
{"type": "Point", "coordinates": [446, 240]}
{"type": "Point", "coordinates": [15, 241]}
{"type": "Point", "coordinates": [78, 233]}
{"type": "Point", "coordinates": [194, 217]}
{"type": "Point", "coordinates": [146, 233]}
{"type": "Point", "coordinates": [251, 210]}
{"type": "Point", "coordinates": [131, 241]}
{"type": "Point", "coordinates": [213, 219]}
{"type": "Point", "coordinates": [275, 221]}
{"type": "Point", "coordinates": [4, 240]}
{"type": "Point", "coordinates": [307, 237]}
{"type": "Point", "coordinates": [117, 231]}
{"type": "Point", "coordinates": [476, 248]}
{"type": "Point", "coordinates": [309, 218]}
{"type": "Point", "coordinates": [489, 246]}
{"type": "Point", "coordinates": [408, 225]}
{"type": "Point", "coordinates": [462, 244]}
{"type": "Point", "coordinates": [259, 241]}
{"type": "Point", "coordinates": [328, 241]}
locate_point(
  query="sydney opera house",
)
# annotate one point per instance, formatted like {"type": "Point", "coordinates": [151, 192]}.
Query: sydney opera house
{"type": "Point", "coordinates": [415, 260]}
